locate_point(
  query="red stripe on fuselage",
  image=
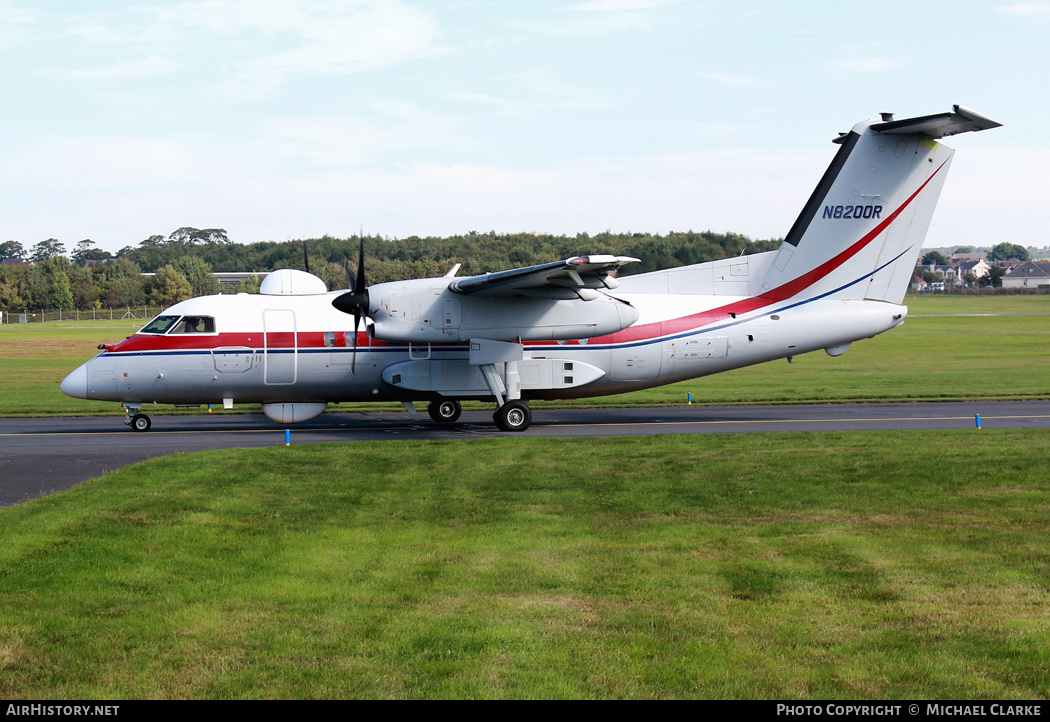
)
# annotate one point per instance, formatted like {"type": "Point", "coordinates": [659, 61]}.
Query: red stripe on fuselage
{"type": "Point", "coordinates": [206, 342]}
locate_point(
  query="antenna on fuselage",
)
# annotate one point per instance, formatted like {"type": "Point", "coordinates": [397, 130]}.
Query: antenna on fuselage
{"type": "Point", "coordinates": [306, 258]}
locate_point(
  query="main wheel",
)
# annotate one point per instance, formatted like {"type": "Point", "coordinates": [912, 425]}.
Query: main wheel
{"type": "Point", "coordinates": [513, 416]}
{"type": "Point", "coordinates": [444, 412]}
{"type": "Point", "coordinates": [140, 422]}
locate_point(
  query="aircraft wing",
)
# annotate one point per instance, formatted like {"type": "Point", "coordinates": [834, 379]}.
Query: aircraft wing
{"type": "Point", "coordinates": [575, 277]}
{"type": "Point", "coordinates": [961, 120]}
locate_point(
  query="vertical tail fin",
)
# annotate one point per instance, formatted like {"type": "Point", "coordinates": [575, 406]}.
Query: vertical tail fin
{"type": "Point", "coordinates": [861, 231]}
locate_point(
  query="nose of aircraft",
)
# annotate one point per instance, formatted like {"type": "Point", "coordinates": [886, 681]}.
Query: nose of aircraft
{"type": "Point", "coordinates": [75, 384]}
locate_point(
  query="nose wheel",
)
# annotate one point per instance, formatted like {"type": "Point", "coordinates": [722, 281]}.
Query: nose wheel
{"type": "Point", "coordinates": [513, 416]}
{"type": "Point", "coordinates": [139, 422]}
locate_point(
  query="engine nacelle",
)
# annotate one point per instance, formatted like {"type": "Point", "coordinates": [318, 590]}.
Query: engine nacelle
{"type": "Point", "coordinates": [415, 312]}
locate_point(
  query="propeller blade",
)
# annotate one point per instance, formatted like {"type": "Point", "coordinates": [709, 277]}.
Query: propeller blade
{"type": "Point", "coordinates": [355, 301]}
{"type": "Point", "coordinates": [361, 265]}
{"type": "Point", "coordinates": [349, 275]}
{"type": "Point", "coordinates": [353, 359]}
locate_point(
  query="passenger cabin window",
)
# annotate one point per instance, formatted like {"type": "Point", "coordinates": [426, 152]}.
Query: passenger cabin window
{"type": "Point", "coordinates": [194, 324]}
{"type": "Point", "coordinates": [160, 324]}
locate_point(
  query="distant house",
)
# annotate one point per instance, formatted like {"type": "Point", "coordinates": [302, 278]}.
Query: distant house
{"type": "Point", "coordinates": [1029, 274]}
{"type": "Point", "coordinates": [955, 273]}
{"type": "Point", "coordinates": [978, 268]}
{"type": "Point", "coordinates": [968, 257]}
{"type": "Point", "coordinates": [949, 273]}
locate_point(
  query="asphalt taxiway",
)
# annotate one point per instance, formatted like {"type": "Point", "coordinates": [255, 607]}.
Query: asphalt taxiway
{"type": "Point", "coordinates": [42, 456]}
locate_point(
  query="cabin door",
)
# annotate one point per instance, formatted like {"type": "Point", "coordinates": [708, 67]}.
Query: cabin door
{"type": "Point", "coordinates": [280, 347]}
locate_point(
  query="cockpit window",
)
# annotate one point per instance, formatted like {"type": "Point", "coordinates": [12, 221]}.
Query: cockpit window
{"type": "Point", "coordinates": [160, 324]}
{"type": "Point", "coordinates": [172, 325]}
{"type": "Point", "coordinates": [194, 324]}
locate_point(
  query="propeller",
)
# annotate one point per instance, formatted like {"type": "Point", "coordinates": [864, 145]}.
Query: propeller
{"type": "Point", "coordinates": [355, 301]}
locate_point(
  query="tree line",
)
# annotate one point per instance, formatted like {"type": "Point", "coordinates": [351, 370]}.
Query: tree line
{"type": "Point", "coordinates": [45, 276]}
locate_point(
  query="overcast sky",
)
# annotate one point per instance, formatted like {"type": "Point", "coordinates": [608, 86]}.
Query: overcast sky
{"type": "Point", "coordinates": [284, 119]}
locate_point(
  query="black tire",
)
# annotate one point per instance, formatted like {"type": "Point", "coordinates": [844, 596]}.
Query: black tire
{"type": "Point", "coordinates": [445, 412]}
{"type": "Point", "coordinates": [513, 416]}
{"type": "Point", "coordinates": [140, 422]}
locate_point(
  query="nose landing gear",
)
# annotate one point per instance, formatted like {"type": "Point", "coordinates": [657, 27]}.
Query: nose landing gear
{"type": "Point", "coordinates": [140, 422]}
{"type": "Point", "coordinates": [136, 420]}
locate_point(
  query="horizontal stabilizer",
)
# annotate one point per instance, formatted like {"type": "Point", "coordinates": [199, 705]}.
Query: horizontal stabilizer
{"type": "Point", "coordinates": [961, 120]}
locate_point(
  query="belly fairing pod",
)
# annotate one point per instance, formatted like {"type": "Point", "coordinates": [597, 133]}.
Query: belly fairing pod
{"type": "Point", "coordinates": [296, 413]}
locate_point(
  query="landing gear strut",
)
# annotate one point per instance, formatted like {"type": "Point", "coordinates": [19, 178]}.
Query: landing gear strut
{"type": "Point", "coordinates": [513, 416]}
{"type": "Point", "coordinates": [444, 412]}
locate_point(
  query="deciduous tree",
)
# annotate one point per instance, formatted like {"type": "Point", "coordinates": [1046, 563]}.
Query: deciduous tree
{"type": "Point", "coordinates": [44, 250]}
{"type": "Point", "coordinates": [1006, 251]}
{"type": "Point", "coordinates": [167, 287]}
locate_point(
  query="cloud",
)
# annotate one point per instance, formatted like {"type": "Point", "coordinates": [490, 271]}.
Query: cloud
{"type": "Point", "coordinates": [389, 131]}
{"type": "Point", "coordinates": [147, 67]}
{"type": "Point", "coordinates": [597, 18]}
{"type": "Point", "coordinates": [1039, 9]}
{"type": "Point", "coordinates": [317, 37]}
{"type": "Point", "coordinates": [736, 81]}
{"type": "Point", "coordinates": [868, 65]}
{"type": "Point", "coordinates": [618, 5]}
{"type": "Point", "coordinates": [534, 92]}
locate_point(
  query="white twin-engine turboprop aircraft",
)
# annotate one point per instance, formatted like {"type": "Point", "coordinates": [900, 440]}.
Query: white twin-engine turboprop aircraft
{"type": "Point", "coordinates": [558, 330]}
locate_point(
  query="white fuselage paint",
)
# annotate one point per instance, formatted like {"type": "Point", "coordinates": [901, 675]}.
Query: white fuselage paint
{"type": "Point", "coordinates": [268, 349]}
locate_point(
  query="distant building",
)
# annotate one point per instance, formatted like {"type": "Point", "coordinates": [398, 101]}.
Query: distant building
{"type": "Point", "coordinates": [978, 268]}
{"type": "Point", "coordinates": [967, 257]}
{"type": "Point", "coordinates": [955, 273]}
{"type": "Point", "coordinates": [232, 279]}
{"type": "Point", "coordinates": [228, 279]}
{"type": "Point", "coordinates": [1028, 274]}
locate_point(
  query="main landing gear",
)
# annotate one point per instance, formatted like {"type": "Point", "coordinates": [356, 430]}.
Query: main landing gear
{"type": "Point", "coordinates": [444, 412]}
{"type": "Point", "coordinates": [513, 416]}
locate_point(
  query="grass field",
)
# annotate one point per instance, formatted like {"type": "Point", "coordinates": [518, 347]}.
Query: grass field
{"type": "Point", "coordinates": [943, 357]}
{"type": "Point", "coordinates": [883, 565]}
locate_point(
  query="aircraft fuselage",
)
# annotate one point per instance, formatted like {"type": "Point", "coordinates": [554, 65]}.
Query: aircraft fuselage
{"type": "Point", "coordinates": [265, 349]}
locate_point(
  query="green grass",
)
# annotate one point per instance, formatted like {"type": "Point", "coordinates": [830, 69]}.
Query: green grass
{"type": "Point", "coordinates": [875, 565]}
{"type": "Point", "coordinates": [943, 357]}
{"type": "Point", "coordinates": [948, 304]}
